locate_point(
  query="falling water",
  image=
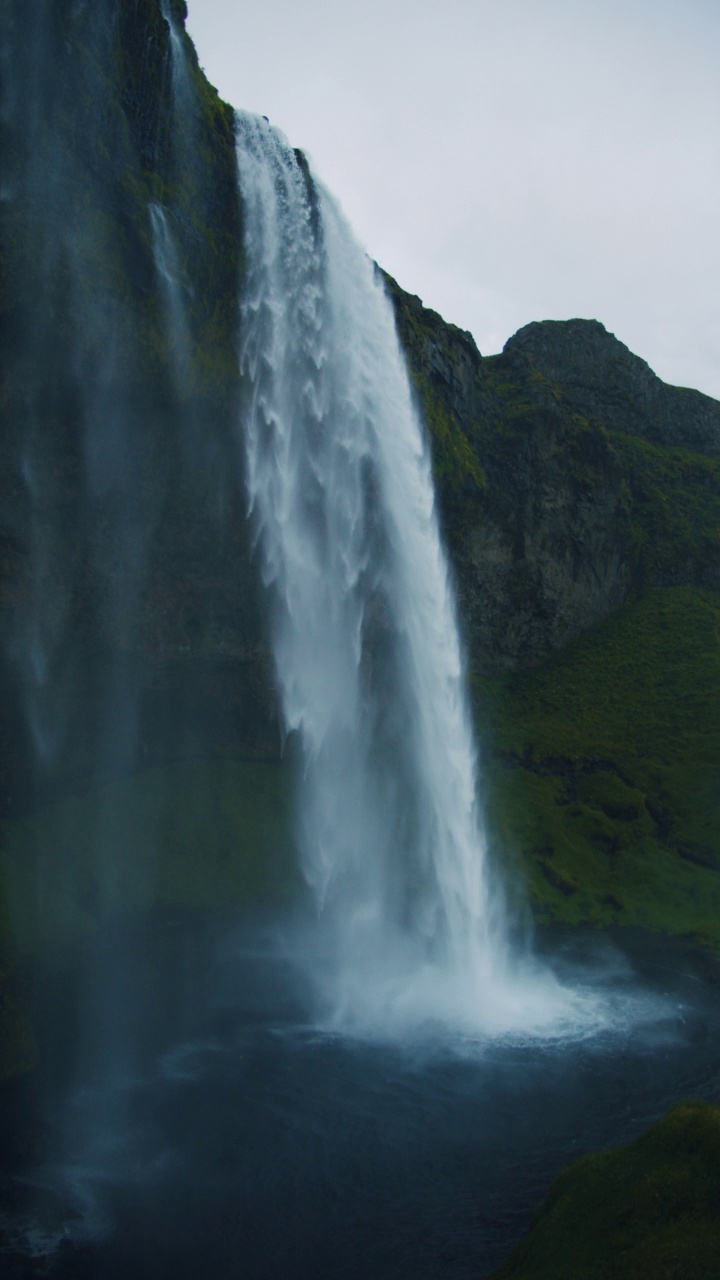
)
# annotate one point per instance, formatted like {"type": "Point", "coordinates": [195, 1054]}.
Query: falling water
{"type": "Point", "coordinates": [366, 643]}
{"type": "Point", "coordinates": [183, 96]}
{"type": "Point", "coordinates": [171, 277]}
{"type": "Point", "coordinates": [172, 290]}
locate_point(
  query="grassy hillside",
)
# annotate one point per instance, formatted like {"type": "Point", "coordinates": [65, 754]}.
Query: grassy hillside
{"type": "Point", "coordinates": [602, 769]}
{"type": "Point", "coordinates": [645, 1210]}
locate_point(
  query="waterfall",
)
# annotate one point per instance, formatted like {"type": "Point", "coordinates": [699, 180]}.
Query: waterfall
{"type": "Point", "coordinates": [368, 657]}
{"type": "Point", "coordinates": [183, 95]}
{"type": "Point", "coordinates": [172, 286]}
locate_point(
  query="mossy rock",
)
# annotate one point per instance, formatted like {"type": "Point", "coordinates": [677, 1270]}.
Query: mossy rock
{"type": "Point", "coordinates": [646, 1210]}
{"type": "Point", "coordinates": [673, 504]}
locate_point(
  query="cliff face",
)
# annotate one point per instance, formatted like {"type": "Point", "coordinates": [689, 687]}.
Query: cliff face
{"type": "Point", "coordinates": [569, 477]}
{"type": "Point", "coordinates": [125, 552]}
{"type": "Point", "coordinates": [603, 380]}
{"type": "Point", "coordinates": [132, 638]}
{"type": "Point", "coordinates": [581, 504]}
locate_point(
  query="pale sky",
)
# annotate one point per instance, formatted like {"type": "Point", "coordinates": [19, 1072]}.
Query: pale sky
{"type": "Point", "coordinates": [508, 160]}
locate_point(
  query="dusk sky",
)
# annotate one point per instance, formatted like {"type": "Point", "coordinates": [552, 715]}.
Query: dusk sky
{"type": "Point", "coordinates": [511, 160]}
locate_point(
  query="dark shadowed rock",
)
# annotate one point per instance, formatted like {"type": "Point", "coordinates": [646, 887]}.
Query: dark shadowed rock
{"type": "Point", "coordinates": [602, 379]}
{"type": "Point", "coordinates": [569, 477]}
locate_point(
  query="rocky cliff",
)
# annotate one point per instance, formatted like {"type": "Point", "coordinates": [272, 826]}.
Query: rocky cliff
{"type": "Point", "coordinates": [581, 503]}
{"type": "Point", "coordinates": [123, 514]}
{"type": "Point", "coordinates": [569, 476]}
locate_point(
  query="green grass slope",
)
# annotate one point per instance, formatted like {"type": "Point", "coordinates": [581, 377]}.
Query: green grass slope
{"type": "Point", "coordinates": [602, 769]}
{"type": "Point", "coordinates": [648, 1210]}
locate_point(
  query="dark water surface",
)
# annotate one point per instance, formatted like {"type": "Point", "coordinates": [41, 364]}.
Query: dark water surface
{"type": "Point", "coordinates": [262, 1147]}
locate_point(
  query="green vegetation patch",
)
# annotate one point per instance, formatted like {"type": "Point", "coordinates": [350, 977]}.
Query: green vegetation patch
{"type": "Point", "coordinates": [646, 1210]}
{"type": "Point", "coordinates": [673, 500]}
{"type": "Point", "coordinates": [511, 398]}
{"type": "Point", "coordinates": [455, 464]}
{"type": "Point", "coordinates": [602, 769]}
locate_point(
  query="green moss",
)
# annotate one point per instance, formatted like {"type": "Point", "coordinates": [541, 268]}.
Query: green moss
{"type": "Point", "coordinates": [673, 501]}
{"type": "Point", "coordinates": [602, 769]}
{"type": "Point", "coordinates": [511, 398]}
{"type": "Point", "coordinates": [455, 464]}
{"type": "Point", "coordinates": [207, 835]}
{"type": "Point", "coordinates": [647, 1210]}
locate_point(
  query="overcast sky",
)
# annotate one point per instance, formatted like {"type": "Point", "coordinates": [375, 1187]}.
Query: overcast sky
{"type": "Point", "coordinates": [508, 160]}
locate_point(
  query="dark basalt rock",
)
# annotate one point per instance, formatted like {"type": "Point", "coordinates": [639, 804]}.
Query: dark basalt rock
{"type": "Point", "coordinates": [580, 499]}
{"type": "Point", "coordinates": [117, 483]}
{"type": "Point", "coordinates": [569, 477]}
{"type": "Point", "coordinates": [603, 380]}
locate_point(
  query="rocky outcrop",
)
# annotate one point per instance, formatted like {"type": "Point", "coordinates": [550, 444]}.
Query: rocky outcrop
{"type": "Point", "coordinates": [125, 556]}
{"type": "Point", "coordinates": [569, 477]}
{"type": "Point", "coordinates": [604, 381]}
{"type": "Point", "coordinates": [581, 503]}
